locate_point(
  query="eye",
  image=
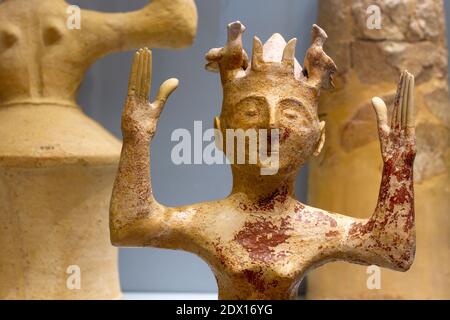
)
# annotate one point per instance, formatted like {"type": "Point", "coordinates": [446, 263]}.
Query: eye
{"type": "Point", "coordinates": [52, 35]}
{"type": "Point", "coordinates": [251, 108]}
{"type": "Point", "coordinates": [293, 109]}
{"type": "Point", "coordinates": [291, 114]}
{"type": "Point", "coordinates": [8, 37]}
{"type": "Point", "coordinates": [251, 113]}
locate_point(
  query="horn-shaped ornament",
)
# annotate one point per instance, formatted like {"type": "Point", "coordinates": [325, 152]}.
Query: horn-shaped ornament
{"type": "Point", "coordinates": [231, 60]}
{"type": "Point", "coordinates": [257, 54]}
{"type": "Point", "coordinates": [318, 66]}
{"type": "Point", "coordinates": [289, 52]}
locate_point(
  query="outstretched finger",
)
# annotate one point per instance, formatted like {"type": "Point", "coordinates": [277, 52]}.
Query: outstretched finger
{"type": "Point", "coordinates": [145, 74]}
{"type": "Point", "coordinates": [140, 73]}
{"type": "Point", "coordinates": [133, 75]}
{"type": "Point", "coordinates": [405, 101]}
{"type": "Point", "coordinates": [397, 112]}
{"type": "Point", "coordinates": [148, 76]}
{"type": "Point", "coordinates": [410, 113]}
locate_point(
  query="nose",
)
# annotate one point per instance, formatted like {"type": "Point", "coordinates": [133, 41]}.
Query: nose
{"type": "Point", "coordinates": [273, 117]}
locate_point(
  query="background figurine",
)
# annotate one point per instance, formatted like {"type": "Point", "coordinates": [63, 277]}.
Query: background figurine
{"type": "Point", "coordinates": [57, 166]}
{"type": "Point", "coordinates": [409, 35]}
{"type": "Point", "coordinates": [260, 241]}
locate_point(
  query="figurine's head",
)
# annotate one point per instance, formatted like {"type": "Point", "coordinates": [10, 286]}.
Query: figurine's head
{"type": "Point", "coordinates": [273, 92]}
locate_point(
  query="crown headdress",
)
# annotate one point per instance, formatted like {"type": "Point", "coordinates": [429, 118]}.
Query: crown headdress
{"type": "Point", "coordinates": [275, 56]}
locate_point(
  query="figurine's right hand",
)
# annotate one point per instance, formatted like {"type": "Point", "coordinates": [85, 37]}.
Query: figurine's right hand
{"type": "Point", "coordinates": [140, 117]}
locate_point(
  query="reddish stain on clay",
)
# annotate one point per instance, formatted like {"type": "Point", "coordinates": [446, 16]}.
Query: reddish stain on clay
{"type": "Point", "coordinates": [274, 283]}
{"type": "Point", "coordinates": [243, 206]}
{"type": "Point", "coordinates": [380, 245]}
{"type": "Point", "coordinates": [409, 224]}
{"type": "Point", "coordinates": [358, 228]}
{"type": "Point", "coordinates": [332, 233]}
{"type": "Point", "coordinates": [283, 254]}
{"type": "Point", "coordinates": [256, 279]}
{"type": "Point", "coordinates": [298, 208]}
{"type": "Point", "coordinates": [355, 228]}
{"type": "Point", "coordinates": [260, 238]}
{"type": "Point", "coordinates": [220, 254]}
{"type": "Point", "coordinates": [403, 174]}
{"type": "Point", "coordinates": [286, 133]}
{"type": "Point", "coordinates": [401, 196]}
{"type": "Point", "coordinates": [406, 256]}
{"type": "Point", "coordinates": [267, 203]}
{"type": "Point", "coordinates": [324, 218]}
{"type": "Point", "coordinates": [317, 217]}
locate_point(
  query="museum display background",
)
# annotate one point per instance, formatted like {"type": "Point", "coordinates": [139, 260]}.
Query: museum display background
{"type": "Point", "coordinates": [198, 98]}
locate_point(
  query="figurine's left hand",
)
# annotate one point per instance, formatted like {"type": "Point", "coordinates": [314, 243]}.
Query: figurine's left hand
{"type": "Point", "coordinates": [397, 138]}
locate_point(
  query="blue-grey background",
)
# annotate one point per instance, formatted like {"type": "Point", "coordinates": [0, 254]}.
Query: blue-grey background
{"type": "Point", "coordinates": [198, 98]}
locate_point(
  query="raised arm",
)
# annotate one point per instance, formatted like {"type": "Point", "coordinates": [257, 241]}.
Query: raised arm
{"type": "Point", "coordinates": [388, 237]}
{"type": "Point", "coordinates": [160, 24]}
{"type": "Point", "coordinates": [136, 218]}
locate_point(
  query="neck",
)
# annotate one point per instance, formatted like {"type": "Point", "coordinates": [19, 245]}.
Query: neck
{"type": "Point", "coordinates": [257, 188]}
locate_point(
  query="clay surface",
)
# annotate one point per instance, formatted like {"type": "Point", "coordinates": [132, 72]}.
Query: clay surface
{"type": "Point", "coordinates": [345, 177]}
{"type": "Point", "coordinates": [57, 166]}
{"type": "Point", "coordinates": [260, 241]}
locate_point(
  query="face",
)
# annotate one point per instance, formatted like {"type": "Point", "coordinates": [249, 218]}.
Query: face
{"type": "Point", "coordinates": [264, 101]}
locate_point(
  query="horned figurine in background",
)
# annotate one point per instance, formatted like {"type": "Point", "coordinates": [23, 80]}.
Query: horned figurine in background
{"type": "Point", "coordinates": [57, 165]}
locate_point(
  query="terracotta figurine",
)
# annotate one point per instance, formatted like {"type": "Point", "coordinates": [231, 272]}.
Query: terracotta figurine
{"type": "Point", "coordinates": [260, 241]}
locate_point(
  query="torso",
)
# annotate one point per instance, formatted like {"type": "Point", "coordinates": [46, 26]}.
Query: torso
{"type": "Point", "coordinates": [262, 251]}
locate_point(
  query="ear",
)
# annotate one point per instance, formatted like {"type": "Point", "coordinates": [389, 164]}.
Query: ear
{"type": "Point", "coordinates": [218, 137]}
{"type": "Point", "coordinates": [321, 141]}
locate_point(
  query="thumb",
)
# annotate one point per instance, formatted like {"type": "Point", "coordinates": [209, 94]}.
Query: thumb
{"type": "Point", "coordinates": [381, 112]}
{"type": "Point", "coordinates": [165, 90]}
